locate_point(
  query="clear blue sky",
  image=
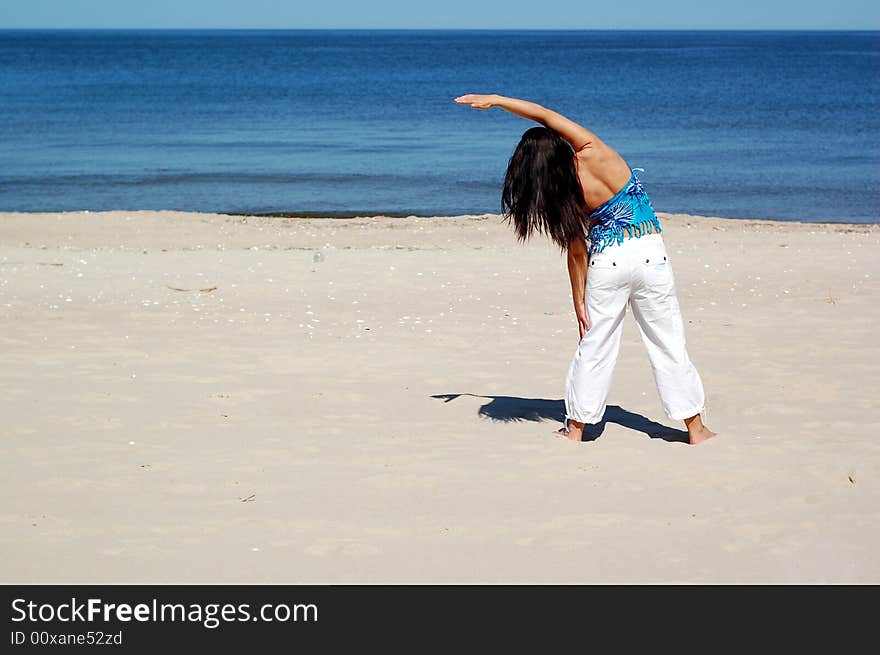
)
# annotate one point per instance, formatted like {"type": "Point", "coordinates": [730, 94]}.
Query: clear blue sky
{"type": "Point", "coordinates": [462, 14]}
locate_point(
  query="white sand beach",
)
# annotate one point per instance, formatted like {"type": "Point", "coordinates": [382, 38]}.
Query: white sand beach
{"type": "Point", "coordinates": [210, 398]}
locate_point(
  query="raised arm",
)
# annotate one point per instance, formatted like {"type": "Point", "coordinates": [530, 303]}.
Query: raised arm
{"type": "Point", "coordinates": [578, 136]}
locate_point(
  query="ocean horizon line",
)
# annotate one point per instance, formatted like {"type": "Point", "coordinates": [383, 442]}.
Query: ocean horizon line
{"type": "Point", "coordinates": [672, 30]}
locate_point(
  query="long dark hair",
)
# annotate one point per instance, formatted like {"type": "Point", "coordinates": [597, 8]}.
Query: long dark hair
{"type": "Point", "coordinates": [541, 188]}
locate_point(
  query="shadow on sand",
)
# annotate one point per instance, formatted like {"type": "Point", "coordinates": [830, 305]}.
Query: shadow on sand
{"type": "Point", "coordinates": [512, 408]}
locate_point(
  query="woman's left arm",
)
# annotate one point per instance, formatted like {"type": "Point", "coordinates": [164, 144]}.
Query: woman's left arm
{"type": "Point", "coordinates": [578, 265]}
{"type": "Point", "coordinates": [577, 135]}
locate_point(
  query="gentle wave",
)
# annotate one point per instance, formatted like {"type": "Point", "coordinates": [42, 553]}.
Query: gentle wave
{"type": "Point", "coordinates": [236, 177]}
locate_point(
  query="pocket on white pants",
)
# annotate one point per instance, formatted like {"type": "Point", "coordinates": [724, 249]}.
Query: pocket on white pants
{"type": "Point", "coordinates": [653, 254]}
{"type": "Point", "coordinates": [657, 269]}
{"type": "Point", "coordinates": [603, 259]}
{"type": "Point", "coordinates": [603, 272]}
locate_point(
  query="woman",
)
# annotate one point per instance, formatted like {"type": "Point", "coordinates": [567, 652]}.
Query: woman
{"type": "Point", "coordinates": [559, 176]}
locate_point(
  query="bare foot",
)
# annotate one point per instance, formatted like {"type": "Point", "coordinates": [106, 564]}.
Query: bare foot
{"type": "Point", "coordinates": [700, 435]}
{"type": "Point", "coordinates": [573, 433]}
{"type": "Point", "coordinates": [697, 432]}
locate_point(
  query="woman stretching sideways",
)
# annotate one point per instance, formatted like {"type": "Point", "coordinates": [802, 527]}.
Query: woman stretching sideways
{"type": "Point", "coordinates": [563, 181]}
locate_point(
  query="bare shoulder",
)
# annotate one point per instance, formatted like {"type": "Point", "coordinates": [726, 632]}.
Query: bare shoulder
{"type": "Point", "coordinates": [589, 149]}
{"type": "Point", "coordinates": [602, 161]}
{"type": "Point", "coordinates": [595, 150]}
{"type": "Point", "coordinates": [597, 157]}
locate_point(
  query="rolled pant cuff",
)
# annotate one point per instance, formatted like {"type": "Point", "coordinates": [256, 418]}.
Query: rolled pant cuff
{"type": "Point", "coordinates": [589, 421]}
{"type": "Point", "coordinates": [680, 416]}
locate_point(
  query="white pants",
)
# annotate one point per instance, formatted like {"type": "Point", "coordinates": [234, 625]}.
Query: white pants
{"type": "Point", "coordinates": [637, 272]}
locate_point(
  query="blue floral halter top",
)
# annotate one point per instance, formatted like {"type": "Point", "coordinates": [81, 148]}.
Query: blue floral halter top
{"type": "Point", "coordinates": [628, 213]}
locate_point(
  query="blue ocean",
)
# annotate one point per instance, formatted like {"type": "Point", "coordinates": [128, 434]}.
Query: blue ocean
{"type": "Point", "coordinates": [782, 125]}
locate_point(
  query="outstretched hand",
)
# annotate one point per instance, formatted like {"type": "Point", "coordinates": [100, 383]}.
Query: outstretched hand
{"type": "Point", "coordinates": [476, 100]}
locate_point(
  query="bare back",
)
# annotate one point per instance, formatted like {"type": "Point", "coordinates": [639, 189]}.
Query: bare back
{"type": "Point", "coordinates": [602, 172]}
